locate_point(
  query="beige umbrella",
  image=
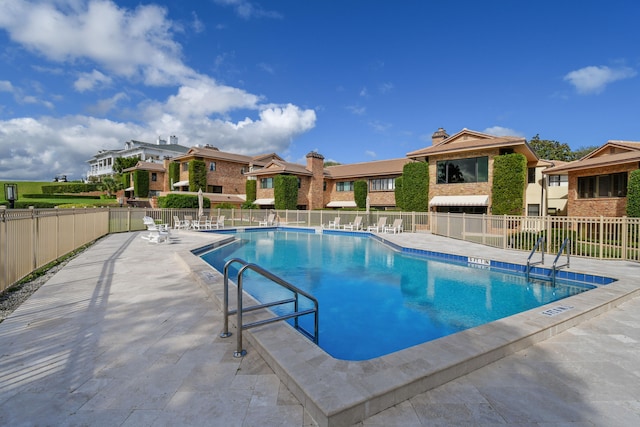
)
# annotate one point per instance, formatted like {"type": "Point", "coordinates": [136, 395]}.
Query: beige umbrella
{"type": "Point", "coordinates": [200, 203]}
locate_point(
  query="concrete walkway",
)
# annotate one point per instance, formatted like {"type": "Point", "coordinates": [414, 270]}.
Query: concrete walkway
{"type": "Point", "coordinates": [123, 336]}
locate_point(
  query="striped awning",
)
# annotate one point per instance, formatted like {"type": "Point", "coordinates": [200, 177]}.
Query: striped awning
{"type": "Point", "coordinates": [342, 204]}
{"type": "Point", "coordinates": [264, 202]}
{"type": "Point", "coordinates": [181, 184]}
{"type": "Point", "coordinates": [460, 201]}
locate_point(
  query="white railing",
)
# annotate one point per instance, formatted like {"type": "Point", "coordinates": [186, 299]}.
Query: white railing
{"type": "Point", "coordinates": [32, 238]}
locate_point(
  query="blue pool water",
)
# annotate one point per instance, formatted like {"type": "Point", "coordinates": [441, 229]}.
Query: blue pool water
{"type": "Point", "coordinates": [374, 300]}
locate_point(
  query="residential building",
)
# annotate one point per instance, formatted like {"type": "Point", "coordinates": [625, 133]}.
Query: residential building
{"type": "Point", "coordinates": [461, 172]}
{"type": "Point", "coordinates": [597, 183]}
{"type": "Point", "coordinates": [102, 163]}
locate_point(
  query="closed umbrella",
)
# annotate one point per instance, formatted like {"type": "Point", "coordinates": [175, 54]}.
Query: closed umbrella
{"type": "Point", "coordinates": [200, 203]}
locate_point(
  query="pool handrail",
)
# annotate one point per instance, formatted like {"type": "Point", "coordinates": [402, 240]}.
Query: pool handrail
{"type": "Point", "coordinates": [240, 309]}
{"type": "Point", "coordinates": [555, 262]}
{"type": "Point", "coordinates": [533, 251]}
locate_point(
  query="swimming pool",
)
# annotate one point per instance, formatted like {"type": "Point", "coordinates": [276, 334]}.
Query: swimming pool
{"type": "Point", "coordinates": [375, 300]}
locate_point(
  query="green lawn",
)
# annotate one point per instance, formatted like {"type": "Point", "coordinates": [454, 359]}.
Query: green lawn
{"type": "Point", "coordinates": [35, 187]}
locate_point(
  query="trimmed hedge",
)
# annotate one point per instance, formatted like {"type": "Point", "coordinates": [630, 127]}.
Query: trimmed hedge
{"type": "Point", "coordinates": [509, 180]}
{"type": "Point", "coordinates": [285, 192]}
{"type": "Point", "coordinates": [360, 192]}
{"type": "Point", "coordinates": [197, 175]}
{"type": "Point", "coordinates": [415, 187]}
{"type": "Point", "coordinates": [57, 196]}
{"type": "Point", "coordinates": [251, 188]}
{"type": "Point", "coordinates": [75, 187]}
{"type": "Point", "coordinates": [399, 195]}
{"type": "Point", "coordinates": [174, 174]}
{"type": "Point", "coordinates": [141, 183]}
{"type": "Point", "coordinates": [182, 201]}
{"type": "Point", "coordinates": [633, 194]}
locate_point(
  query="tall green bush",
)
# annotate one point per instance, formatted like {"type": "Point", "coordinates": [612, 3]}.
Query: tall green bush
{"type": "Point", "coordinates": [633, 194]}
{"type": "Point", "coordinates": [126, 179]}
{"type": "Point", "coordinates": [197, 175]}
{"type": "Point", "coordinates": [251, 189]}
{"type": "Point", "coordinates": [182, 201]}
{"type": "Point", "coordinates": [415, 187]}
{"type": "Point", "coordinates": [509, 180]}
{"type": "Point", "coordinates": [141, 183]}
{"type": "Point", "coordinates": [360, 191]}
{"type": "Point", "coordinates": [398, 193]}
{"type": "Point", "coordinates": [285, 191]}
{"type": "Point", "coordinates": [174, 174]}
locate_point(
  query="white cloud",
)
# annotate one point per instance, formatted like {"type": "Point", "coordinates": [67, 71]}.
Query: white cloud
{"type": "Point", "coordinates": [386, 88]}
{"type": "Point", "coordinates": [133, 47]}
{"type": "Point", "coordinates": [370, 153]}
{"type": "Point", "coordinates": [88, 81]}
{"type": "Point", "coordinates": [594, 79]}
{"type": "Point", "coordinates": [502, 131]}
{"type": "Point", "coordinates": [357, 110]}
{"type": "Point", "coordinates": [247, 10]}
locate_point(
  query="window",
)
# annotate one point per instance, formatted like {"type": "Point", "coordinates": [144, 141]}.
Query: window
{"type": "Point", "coordinates": [612, 185]}
{"type": "Point", "coordinates": [243, 170]}
{"type": "Point", "coordinates": [533, 210]}
{"type": "Point", "coordinates": [214, 189]}
{"type": "Point", "coordinates": [154, 176]}
{"type": "Point", "coordinates": [531, 175]}
{"type": "Point", "coordinates": [212, 167]}
{"type": "Point", "coordinates": [344, 186]}
{"type": "Point", "coordinates": [474, 169]}
{"type": "Point", "coordinates": [185, 167]}
{"type": "Point", "coordinates": [558, 180]}
{"type": "Point", "coordinates": [266, 183]}
{"type": "Point", "coordinates": [383, 184]}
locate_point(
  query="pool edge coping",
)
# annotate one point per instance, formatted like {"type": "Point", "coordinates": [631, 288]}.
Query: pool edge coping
{"type": "Point", "coordinates": [338, 392]}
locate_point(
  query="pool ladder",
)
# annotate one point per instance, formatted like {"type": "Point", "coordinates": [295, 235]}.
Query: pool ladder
{"type": "Point", "coordinates": [241, 310]}
{"type": "Point", "coordinates": [555, 267]}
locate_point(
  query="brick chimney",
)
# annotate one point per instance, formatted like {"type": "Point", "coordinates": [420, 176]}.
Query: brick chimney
{"type": "Point", "coordinates": [439, 136]}
{"type": "Point", "coordinates": [315, 165]}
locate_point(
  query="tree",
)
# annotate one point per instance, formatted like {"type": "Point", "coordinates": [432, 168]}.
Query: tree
{"type": "Point", "coordinates": [285, 192]}
{"type": "Point", "coordinates": [122, 163]}
{"type": "Point", "coordinates": [633, 194]}
{"type": "Point", "coordinates": [550, 150]}
{"type": "Point", "coordinates": [331, 163]}
{"type": "Point", "coordinates": [582, 151]}
{"type": "Point", "coordinates": [197, 175]}
{"type": "Point", "coordinates": [509, 180]}
{"type": "Point", "coordinates": [360, 192]}
{"type": "Point", "coordinates": [110, 185]}
{"type": "Point", "coordinates": [415, 187]}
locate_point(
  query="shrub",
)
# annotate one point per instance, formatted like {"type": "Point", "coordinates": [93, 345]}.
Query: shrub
{"type": "Point", "coordinates": [251, 188]}
{"type": "Point", "coordinates": [76, 187]}
{"type": "Point", "coordinates": [633, 194]}
{"type": "Point", "coordinates": [285, 191]}
{"type": "Point", "coordinates": [197, 175]}
{"type": "Point", "coordinates": [398, 193]}
{"type": "Point", "coordinates": [224, 205]}
{"type": "Point", "coordinates": [182, 201]}
{"type": "Point", "coordinates": [174, 173]}
{"type": "Point", "coordinates": [415, 187]}
{"type": "Point", "coordinates": [509, 179]}
{"type": "Point", "coordinates": [360, 192]}
{"type": "Point", "coordinates": [141, 183]}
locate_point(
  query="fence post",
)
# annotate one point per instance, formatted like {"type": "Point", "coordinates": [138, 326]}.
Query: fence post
{"type": "Point", "coordinates": [34, 235]}
{"type": "Point", "coordinates": [504, 231]}
{"type": "Point", "coordinates": [625, 227]}
{"type": "Point", "coordinates": [601, 233]}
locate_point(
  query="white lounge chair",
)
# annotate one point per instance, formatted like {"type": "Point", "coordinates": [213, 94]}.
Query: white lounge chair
{"type": "Point", "coordinates": [335, 223]}
{"type": "Point", "coordinates": [396, 227]}
{"type": "Point", "coordinates": [179, 224]}
{"type": "Point", "coordinates": [217, 223]}
{"type": "Point", "coordinates": [269, 221]}
{"type": "Point", "coordinates": [200, 223]}
{"type": "Point", "coordinates": [382, 221]}
{"type": "Point", "coordinates": [355, 225]}
{"type": "Point", "coordinates": [158, 233]}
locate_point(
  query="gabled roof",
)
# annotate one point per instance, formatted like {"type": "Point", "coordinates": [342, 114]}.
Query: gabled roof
{"type": "Point", "coordinates": [276, 166]}
{"type": "Point", "coordinates": [147, 166]}
{"type": "Point", "coordinates": [164, 147]}
{"type": "Point", "coordinates": [470, 140]}
{"type": "Point", "coordinates": [213, 153]}
{"type": "Point", "coordinates": [367, 169]}
{"type": "Point", "coordinates": [611, 153]}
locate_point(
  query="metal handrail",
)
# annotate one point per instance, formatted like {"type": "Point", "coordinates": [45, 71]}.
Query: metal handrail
{"type": "Point", "coordinates": [555, 262]}
{"type": "Point", "coordinates": [533, 251]}
{"type": "Point", "coordinates": [240, 310]}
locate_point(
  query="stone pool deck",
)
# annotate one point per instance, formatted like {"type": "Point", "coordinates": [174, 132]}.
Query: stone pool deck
{"type": "Point", "coordinates": [126, 334]}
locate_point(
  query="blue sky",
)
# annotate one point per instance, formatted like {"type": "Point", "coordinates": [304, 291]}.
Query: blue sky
{"type": "Point", "coordinates": [356, 80]}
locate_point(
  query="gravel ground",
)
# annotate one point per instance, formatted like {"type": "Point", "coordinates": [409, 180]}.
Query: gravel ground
{"type": "Point", "coordinates": [11, 299]}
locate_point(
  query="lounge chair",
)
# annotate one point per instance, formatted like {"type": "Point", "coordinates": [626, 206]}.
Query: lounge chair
{"type": "Point", "coordinates": [200, 223]}
{"type": "Point", "coordinates": [355, 225]}
{"type": "Point", "coordinates": [396, 227]}
{"type": "Point", "coordinates": [179, 224]}
{"type": "Point", "coordinates": [335, 223]}
{"type": "Point", "coordinates": [188, 219]}
{"type": "Point", "coordinates": [217, 223]}
{"type": "Point", "coordinates": [158, 233]}
{"type": "Point", "coordinates": [382, 221]}
{"type": "Point", "coordinates": [269, 221]}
